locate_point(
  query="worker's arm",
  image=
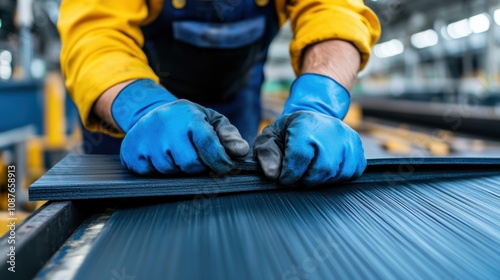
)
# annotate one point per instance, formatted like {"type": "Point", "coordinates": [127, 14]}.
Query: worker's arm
{"type": "Point", "coordinates": [309, 142]}
{"type": "Point", "coordinates": [101, 47]}
{"type": "Point", "coordinates": [336, 59]}
{"type": "Point", "coordinates": [314, 21]}
{"type": "Point", "coordinates": [108, 77]}
{"type": "Point", "coordinates": [102, 107]}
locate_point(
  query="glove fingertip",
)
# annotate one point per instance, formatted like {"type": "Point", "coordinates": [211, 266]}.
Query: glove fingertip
{"type": "Point", "coordinates": [270, 160]}
{"type": "Point", "coordinates": [271, 169]}
{"type": "Point", "coordinates": [237, 148]}
{"type": "Point", "coordinates": [230, 138]}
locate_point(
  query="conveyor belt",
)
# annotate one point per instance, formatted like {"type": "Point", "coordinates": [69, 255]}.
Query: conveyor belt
{"type": "Point", "coordinates": [97, 176]}
{"type": "Point", "coordinates": [446, 229]}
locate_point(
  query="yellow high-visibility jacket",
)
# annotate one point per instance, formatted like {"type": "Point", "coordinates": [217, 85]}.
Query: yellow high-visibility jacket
{"type": "Point", "coordinates": [102, 40]}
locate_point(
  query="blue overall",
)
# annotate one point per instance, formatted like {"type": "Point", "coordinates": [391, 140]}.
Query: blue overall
{"type": "Point", "coordinates": [211, 52]}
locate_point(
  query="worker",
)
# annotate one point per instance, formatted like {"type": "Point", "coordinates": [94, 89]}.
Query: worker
{"type": "Point", "coordinates": [180, 81]}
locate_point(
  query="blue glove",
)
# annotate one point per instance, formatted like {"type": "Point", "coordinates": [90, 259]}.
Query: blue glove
{"type": "Point", "coordinates": [309, 142]}
{"type": "Point", "coordinates": [169, 135]}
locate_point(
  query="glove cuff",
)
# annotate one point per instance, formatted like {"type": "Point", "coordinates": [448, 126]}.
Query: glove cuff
{"type": "Point", "coordinates": [136, 100]}
{"type": "Point", "coordinates": [318, 93]}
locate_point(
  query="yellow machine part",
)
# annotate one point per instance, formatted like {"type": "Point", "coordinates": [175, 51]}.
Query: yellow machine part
{"type": "Point", "coordinates": [55, 119]}
{"type": "Point", "coordinates": [3, 184]}
{"type": "Point", "coordinates": [20, 216]}
{"type": "Point", "coordinates": [35, 160]}
{"type": "Point", "coordinates": [35, 166]}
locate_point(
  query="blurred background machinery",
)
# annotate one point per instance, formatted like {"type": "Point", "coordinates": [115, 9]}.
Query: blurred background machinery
{"type": "Point", "coordinates": [437, 63]}
{"type": "Point", "coordinates": [431, 87]}
{"type": "Point", "coordinates": [37, 119]}
{"type": "Point", "coordinates": [435, 71]}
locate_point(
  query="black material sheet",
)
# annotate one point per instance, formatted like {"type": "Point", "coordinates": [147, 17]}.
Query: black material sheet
{"type": "Point", "coordinates": [441, 229]}
{"type": "Point", "coordinates": [100, 176]}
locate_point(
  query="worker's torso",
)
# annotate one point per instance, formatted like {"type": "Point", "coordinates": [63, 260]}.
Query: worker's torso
{"type": "Point", "coordinates": [206, 49]}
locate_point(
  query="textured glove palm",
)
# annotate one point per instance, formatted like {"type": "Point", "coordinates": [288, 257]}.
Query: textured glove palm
{"type": "Point", "coordinates": [309, 142]}
{"type": "Point", "coordinates": [169, 135]}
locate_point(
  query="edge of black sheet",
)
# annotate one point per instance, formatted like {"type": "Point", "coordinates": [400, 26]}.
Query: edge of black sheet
{"type": "Point", "coordinates": [79, 177]}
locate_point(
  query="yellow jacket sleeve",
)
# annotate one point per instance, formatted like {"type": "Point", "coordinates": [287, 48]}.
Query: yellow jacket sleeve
{"type": "Point", "coordinates": [314, 21]}
{"type": "Point", "coordinates": [101, 47]}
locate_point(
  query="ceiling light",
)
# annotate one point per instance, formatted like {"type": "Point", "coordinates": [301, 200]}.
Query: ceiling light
{"type": "Point", "coordinates": [5, 72]}
{"type": "Point", "coordinates": [459, 29]}
{"type": "Point", "coordinates": [5, 57]}
{"type": "Point", "coordinates": [389, 48]}
{"type": "Point", "coordinates": [496, 16]}
{"type": "Point", "coordinates": [479, 23]}
{"type": "Point", "coordinates": [424, 39]}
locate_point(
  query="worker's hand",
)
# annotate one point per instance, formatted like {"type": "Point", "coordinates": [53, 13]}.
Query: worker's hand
{"type": "Point", "coordinates": [172, 135]}
{"type": "Point", "coordinates": [309, 142]}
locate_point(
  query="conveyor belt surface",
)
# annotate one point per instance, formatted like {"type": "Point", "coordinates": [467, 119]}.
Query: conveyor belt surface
{"type": "Point", "coordinates": [445, 229]}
